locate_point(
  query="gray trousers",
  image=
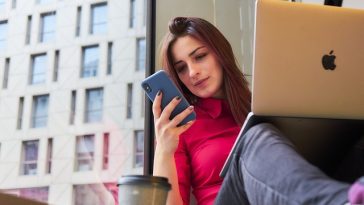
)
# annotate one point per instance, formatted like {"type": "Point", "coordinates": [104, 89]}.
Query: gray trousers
{"type": "Point", "coordinates": [268, 171]}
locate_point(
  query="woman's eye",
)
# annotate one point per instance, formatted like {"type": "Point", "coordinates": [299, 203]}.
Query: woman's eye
{"type": "Point", "coordinates": [200, 56]}
{"type": "Point", "coordinates": [180, 69]}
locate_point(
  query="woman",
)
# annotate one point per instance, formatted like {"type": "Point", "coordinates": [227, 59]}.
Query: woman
{"type": "Point", "coordinates": [201, 62]}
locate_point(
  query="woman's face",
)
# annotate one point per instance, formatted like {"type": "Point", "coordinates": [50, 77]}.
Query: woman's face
{"type": "Point", "coordinates": [197, 68]}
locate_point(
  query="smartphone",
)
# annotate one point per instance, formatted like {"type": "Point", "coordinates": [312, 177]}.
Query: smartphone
{"type": "Point", "coordinates": [161, 81]}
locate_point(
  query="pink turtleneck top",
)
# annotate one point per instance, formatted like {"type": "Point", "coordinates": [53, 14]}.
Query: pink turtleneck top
{"type": "Point", "coordinates": [203, 149]}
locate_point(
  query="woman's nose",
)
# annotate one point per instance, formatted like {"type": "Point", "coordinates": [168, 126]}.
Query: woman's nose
{"type": "Point", "coordinates": [193, 70]}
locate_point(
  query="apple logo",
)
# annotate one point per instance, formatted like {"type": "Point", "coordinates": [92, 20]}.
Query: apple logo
{"type": "Point", "coordinates": [328, 61]}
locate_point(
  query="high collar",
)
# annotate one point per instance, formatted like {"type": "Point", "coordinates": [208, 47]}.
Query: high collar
{"type": "Point", "coordinates": [212, 106]}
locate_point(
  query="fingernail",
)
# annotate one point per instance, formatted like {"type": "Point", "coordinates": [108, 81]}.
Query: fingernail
{"type": "Point", "coordinates": [159, 92]}
{"type": "Point", "coordinates": [190, 107]}
{"type": "Point", "coordinates": [178, 97]}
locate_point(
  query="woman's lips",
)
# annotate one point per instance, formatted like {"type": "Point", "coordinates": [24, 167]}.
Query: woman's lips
{"type": "Point", "coordinates": [200, 83]}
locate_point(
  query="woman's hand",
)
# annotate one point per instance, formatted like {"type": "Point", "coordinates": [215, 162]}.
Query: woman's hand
{"type": "Point", "coordinates": [167, 132]}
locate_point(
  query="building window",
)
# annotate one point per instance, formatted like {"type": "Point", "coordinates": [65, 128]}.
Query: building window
{"type": "Point", "coordinates": [38, 69]}
{"type": "Point", "coordinates": [2, 4]}
{"type": "Point", "coordinates": [47, 27]}
{"type": "Point", "coordinates": [139, 148]}
{"type": "Point", "coordinates": [90, 61]}
{"type": "Point", "coordinates": [132, 17]}
{"type": "Point", "coordinates": [40, 111]}
{"type": "Point", "coordinates": [49, 156]}
{"type": "Point", "coordinates": [129, 101]}
{"type": "Point", "coordinates": [73, 107]}
{"type": "Point", "coordinates": [29, 157]}
{"type": "Point", "coordinates": [34, 193]}
{"type": "Point", "coordinates": [92, 194]}
{"type": "Point", "coordinates": [109, 58]}
{"type": "Point", "coordinates": [78, 21]}
{"type": "Point", "coordinates": [6, 73]}
{"type": "Point", "coordinates": [98, 21]}
{"type": "Point", "coordinates": [44, 1]}
{"type": "Point", "coordinates": [19, 121]}
{"type": "Point", "coordinates": [3, 31]}
{"type": "Point", "coordinates": [56, 66]}
{"type": "Point", "coordinates": [94, 104]}
{"type": "Point", "coordinates": [85, 150]}
{"type": "Point", "coordinates": [105, 151]}
{"type": "Point", "coordinates": [29, 30]}
{"type": "Point", "coordinates": [13, 4]}
{"type": "Point", "coordinates": [141, 54]}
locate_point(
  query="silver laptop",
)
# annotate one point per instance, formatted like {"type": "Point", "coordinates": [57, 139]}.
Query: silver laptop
{"type": "Point", "coordinates": [308, 60]}
{"type": "Point", "coordinates": [308, 73]}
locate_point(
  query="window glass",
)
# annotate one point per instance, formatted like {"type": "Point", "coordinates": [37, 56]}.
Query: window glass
{"type": "Point", "coordinates": [90, 62]}
{"type": "Point", "coordinates": [132, 17]}
{"type": "Point", "coordinates": [129, 101]}
{"type": "Point", "coordinates": [98, 18]}
{"type": "Point", "coordinates": [141, 55]}
{"type": "Point", "coordinates": [139, 148]}
{"type": "Point", "coordinates": [48, 27]}
{"type": "Point", "coordinates": [44, 1]}
{"type": "Point", "coordinates": [40, 112]}
{"type": "Point", "coordinates": [3, 31]}
{"type": "Point", "coordinates": [85, 149]}
{"type": "Point", "coordinates": [38, 74]}
{"type": "Point", "coordinates": [94, 103]}
{"type": "Point", "coordinates": [6, 73]}
{"type": "Point", "coordinates": [2, 4]}
{"type": "Point", "coordinates": [30, 157]}
{"type": "Point", "coordinates": [28, 31]}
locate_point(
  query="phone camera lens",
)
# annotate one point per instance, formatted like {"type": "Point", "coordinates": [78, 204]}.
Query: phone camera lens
{"type": "Point", "coordinates": [147, 88]}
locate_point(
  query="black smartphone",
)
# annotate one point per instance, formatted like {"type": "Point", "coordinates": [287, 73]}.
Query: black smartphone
{"type": "Point", "coordinates": [161, 81]}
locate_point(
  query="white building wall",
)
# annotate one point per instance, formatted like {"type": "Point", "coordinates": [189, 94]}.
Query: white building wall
{"type": "Point", "coordinates": [63, 176]}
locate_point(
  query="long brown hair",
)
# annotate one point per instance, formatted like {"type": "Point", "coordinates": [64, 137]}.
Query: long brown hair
{"type": "Point", "coordinates": [235, 85]}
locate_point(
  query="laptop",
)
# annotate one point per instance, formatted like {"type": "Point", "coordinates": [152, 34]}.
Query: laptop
{"type": "Point", "coordinates": [307, 73]}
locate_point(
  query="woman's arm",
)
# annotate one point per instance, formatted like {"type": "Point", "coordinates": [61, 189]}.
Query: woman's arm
{"type": "Point", "coordinates": [167, 138]}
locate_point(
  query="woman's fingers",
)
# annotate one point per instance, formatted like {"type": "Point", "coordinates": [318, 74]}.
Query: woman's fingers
{"type": "Point", "coordinates": [157, 109]}
{"type": "Point", "coordinates": [167, 111]}
{"type": "Point", "coordinates": [178, 118]}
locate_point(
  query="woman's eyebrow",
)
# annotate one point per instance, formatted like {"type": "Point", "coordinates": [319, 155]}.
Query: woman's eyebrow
{"type": "Point", "coordinates": [190, 54]}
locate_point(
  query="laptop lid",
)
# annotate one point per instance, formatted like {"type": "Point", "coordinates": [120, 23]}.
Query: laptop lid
{"type": "Point", "coordinates": [308, 61]}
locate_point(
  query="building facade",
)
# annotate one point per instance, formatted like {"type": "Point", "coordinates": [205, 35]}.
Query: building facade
{"type": "Point", "coordinates": [71, 104]}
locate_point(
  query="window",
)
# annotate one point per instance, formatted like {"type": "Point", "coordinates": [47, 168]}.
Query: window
{"type": "Point", "coordinates": [105, 151]}
{"type": "Point", "coordinates": [44, 1]}
{"type": "Point", "coordinates": [141, 54]}
{"type": "Point", "coordinates": [2, 4]}
{"type": "Point", "coordinates": [90, 61]}
{"type": "Point", "coordinates": [49, 156]}
{"type": "Point", "coordinates": [47, 27]}
{"type": "Point", "coordinates": [85, 150]}
{"type": "Point", "coordinates": [19, 121]}
{"type": "Point", "coordinates": [29, 157]}
{"type": "Point", "coordinates": [93, 194]}
{"type": "Point", "coordinates": [78, 21]}
{"type": "Point", "coordinates": [73, 107]}
{"type": "Point", "coordinates": [40, 111]}
{"type": "Point", "coordinates": [6, 73]}
{"type": "Point", "coordinates": [98, 18]}
{"type": "Point", "coordinates": [56, 66]}
{"type": "Point", "coordinates": [13, 4]}
{"type": "Point", "coordinates": [3, 31]}
{"type": "Point", "coordinates": [35, 193]}
{"type": "Point", "coordinates": [132, 17]}
{"type": "Point", "coordinates": [38, 69]}
{"type": "Point", "coordinates": [29, 30]}
{"type": "Point", "coordinates": [109, 58]}
{"type": "Point", "coordinates": [139, 148]}
{"type": "Point", "coordinates": [94, 103]}
{"type": "Point", "coordinates": [0, 150]}
{"type": "Point", "coordinates": [129, 101]}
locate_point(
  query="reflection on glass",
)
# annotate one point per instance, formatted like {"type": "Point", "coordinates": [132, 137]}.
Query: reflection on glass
{"type": "Point", "coordinates": [90, 62]}
{"type": "Point", "coordinates": [98, 18]}
{"type": "Point", "coordinates": [40, 112]}
{"type": "Point", "coordinates": [94, 103]}
{"type": "Point", "coordinates": [30, 157]}
{"type": "Point", "coordinates": [3, 31]}
{"type": "Point", "coordinates": [85, 149]}
{"type": "Point", "coordinates": [48, 27]}
{"type": "Point", "coordinates": [38, 74]}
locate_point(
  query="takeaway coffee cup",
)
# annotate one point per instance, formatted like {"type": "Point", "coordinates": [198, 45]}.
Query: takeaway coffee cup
{"type": "Point", "coordinates": [142, 190]}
